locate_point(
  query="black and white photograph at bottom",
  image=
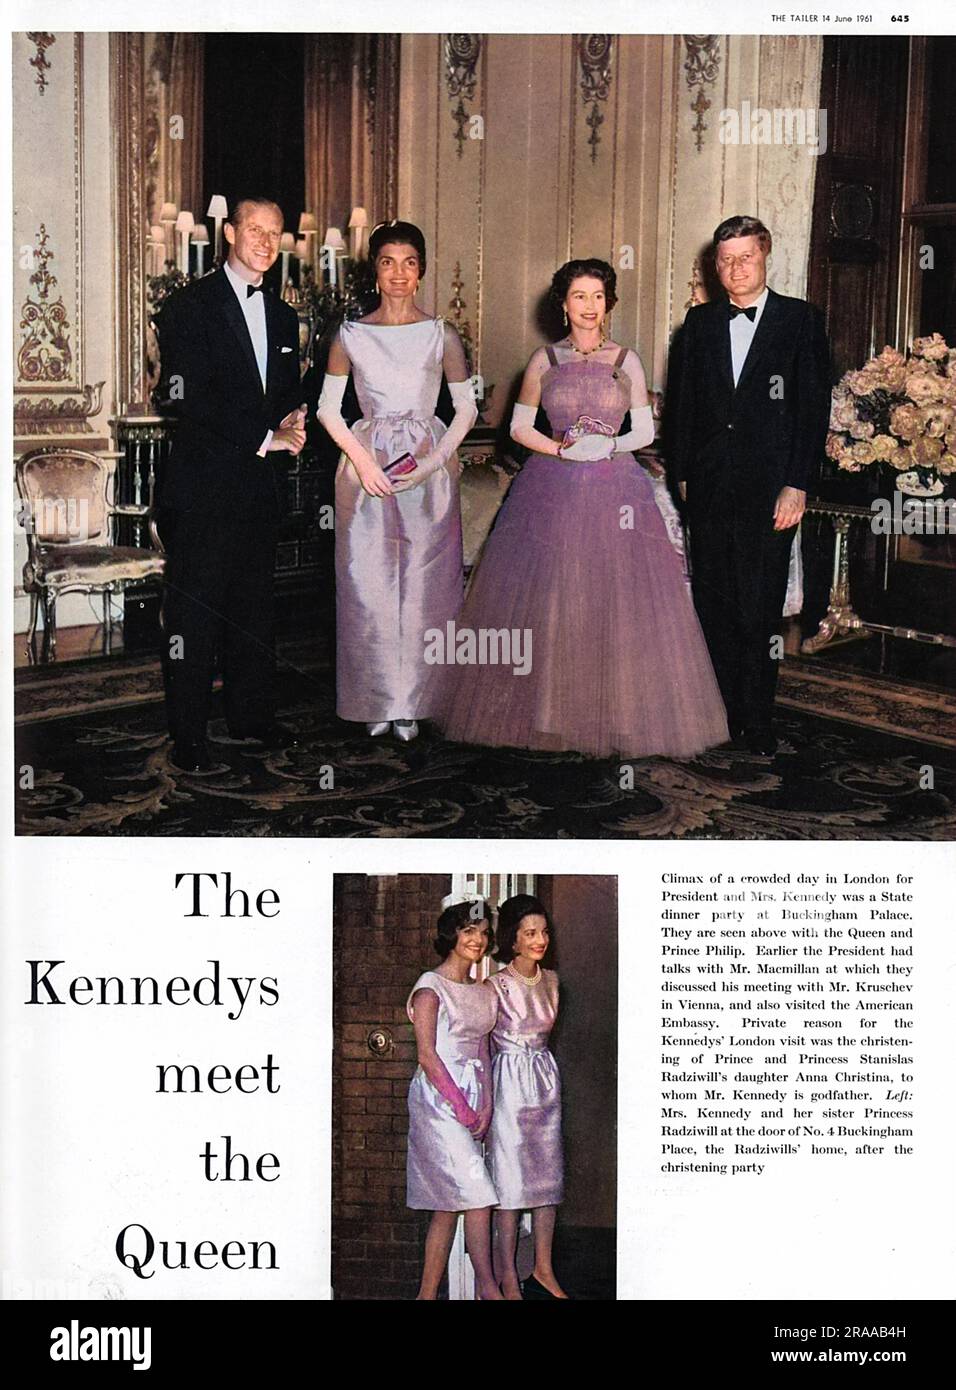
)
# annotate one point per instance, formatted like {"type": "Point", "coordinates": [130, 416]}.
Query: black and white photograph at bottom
{"type": "Point", "coordinates": [474, 1090]}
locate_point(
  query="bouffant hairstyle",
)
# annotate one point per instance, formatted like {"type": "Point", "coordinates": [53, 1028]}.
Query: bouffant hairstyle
{"type": "Point", "coordinates": [573, 270]}
{"type": "Point", "coordinates": [402, 234]}
{"type": "Point", "coordinates": [455, 919]}
{"type": "Point", "coordinates": [743, 226]}
{"type": "Point", "coordinates": [511, 914]}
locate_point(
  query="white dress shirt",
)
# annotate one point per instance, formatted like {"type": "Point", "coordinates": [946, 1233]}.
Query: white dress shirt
{"type": "Point", "coordinates": [742, 330]}
{"type": "Point", "coordinates": [253, 308]}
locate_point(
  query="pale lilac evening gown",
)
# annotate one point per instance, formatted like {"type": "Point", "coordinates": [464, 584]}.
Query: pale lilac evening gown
{"type": "Point", "coordinates": [398, 560]}
{"type": "Point", "coordinates": [579, 559]}
{"type": "Point", "coordinates": [524, 1142]}
{"type": "Point", "coordinates": [446, 1168]}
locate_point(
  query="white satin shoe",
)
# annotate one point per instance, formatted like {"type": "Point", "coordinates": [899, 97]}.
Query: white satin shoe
{"type": "Point", "coordinates": [376, 730]}
{"type": "Point", "coordinates": [405, 729]}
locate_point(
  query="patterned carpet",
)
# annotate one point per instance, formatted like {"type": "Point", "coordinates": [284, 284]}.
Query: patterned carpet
{"type": "Point", "coordinates": [861, 757]}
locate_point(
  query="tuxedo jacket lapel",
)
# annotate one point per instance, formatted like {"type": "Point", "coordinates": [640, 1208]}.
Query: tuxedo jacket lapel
{"type": "Point", "coordinates": [272, 341]}
{"type": "Point", "coordinates": [763, 339]}
{"type": "Point", "coordinates": [237, 323]}
{"type": "Point", "coordinates": [720, 345]}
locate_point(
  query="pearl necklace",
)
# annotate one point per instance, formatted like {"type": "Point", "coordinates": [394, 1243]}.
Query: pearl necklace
{"type": "Point", "coordinates": [534, 979]}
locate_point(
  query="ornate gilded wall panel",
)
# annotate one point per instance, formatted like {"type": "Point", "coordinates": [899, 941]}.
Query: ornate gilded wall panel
{"type": "Point", "coordinates": [51, 395]}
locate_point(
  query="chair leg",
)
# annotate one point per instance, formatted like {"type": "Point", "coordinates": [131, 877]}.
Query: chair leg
{"type": "Point", "coordinates": [32, 629]}
{"type": "Point", "coordinates": [107, 624]}
{"type": "Point", "coordinates": [49, 627]}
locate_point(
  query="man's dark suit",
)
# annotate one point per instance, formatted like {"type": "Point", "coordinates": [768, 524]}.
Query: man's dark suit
{"type": "Point", "coordinates": [735, 448]}
{"type": "Point", "coordinates": [220, 501]}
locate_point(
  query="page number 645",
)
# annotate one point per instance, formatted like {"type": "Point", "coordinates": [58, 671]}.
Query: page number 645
{"type": "Point", "coordinates": [899, 19]}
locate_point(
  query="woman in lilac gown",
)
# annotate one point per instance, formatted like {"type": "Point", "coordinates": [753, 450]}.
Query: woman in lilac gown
{"type": "Point", "coordinates": [524, 1143]}
{"type": "Point", "coordinates": [580, 571]}
{"type": "Point", "coordinates": [398, 556]}
{"type": "Point", "coordinates": [450, 1100]}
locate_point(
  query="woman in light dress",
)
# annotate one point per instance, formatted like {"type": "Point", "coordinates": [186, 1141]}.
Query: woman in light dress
{"type": "Point", "coordinates": [580, 565]}
{"type": "Point", "coordinates": [398, 549]}
{"type": "Point", "coordinates": [450, 1099]}
{"type": "Point", "coordinates": [524, 1143]}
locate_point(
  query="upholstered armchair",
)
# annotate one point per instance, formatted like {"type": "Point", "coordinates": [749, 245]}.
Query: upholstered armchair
{"type": "Point", "coordinates": [68, 511]}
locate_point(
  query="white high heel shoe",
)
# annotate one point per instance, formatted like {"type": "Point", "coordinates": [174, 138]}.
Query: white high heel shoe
{"type": "Point", "coordinates": [376, 730]}
{"type": "Point", "coordinates": [405, 729]}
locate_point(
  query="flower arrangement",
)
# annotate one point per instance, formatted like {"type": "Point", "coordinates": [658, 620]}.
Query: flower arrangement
{"type": "Point", "coordinates": [899, 411]}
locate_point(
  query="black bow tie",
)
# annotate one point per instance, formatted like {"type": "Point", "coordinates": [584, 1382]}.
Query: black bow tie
{"type": "Point", "coordinates": [735, 309]}
{"type": "Point", "coordinates": [254, 289]}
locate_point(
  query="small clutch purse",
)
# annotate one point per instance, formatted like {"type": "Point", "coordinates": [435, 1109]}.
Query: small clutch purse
{"type": "Point", "coordinates": [584, 425]}
{"type": "Point", "coordinates": [400, 467]}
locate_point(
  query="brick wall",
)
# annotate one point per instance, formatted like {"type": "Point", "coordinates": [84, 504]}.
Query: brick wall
{"type": "Point", "coordinates": [383, 929]}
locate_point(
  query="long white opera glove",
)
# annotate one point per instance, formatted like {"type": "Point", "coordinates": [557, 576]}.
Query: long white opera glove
{"type": "Point", "coordinates": [466, 413]}
{"type": "Point", "coordinates": [639, 435]}
{"type": "Point", "coordinates": [329, 415]}
{"type": "Point", "coordinates": [523, 431]}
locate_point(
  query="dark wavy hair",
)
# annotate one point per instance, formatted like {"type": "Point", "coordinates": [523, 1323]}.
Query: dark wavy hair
{"type": "Point", "coordinates": [743, 226]}
{"type": "Point", "coordinates": [511, 914]}
{"type": "Point", "coordinates": [573, 270]}
{"type": "Point", "coordinates": [402, 234]}
{"type": "Point", "coordinates": [455, 919]}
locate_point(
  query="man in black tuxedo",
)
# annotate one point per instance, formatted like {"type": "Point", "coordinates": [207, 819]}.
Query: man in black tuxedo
{"type": "Point", "coordinates": [230, 356]}
{"type": "Point", "coordinates": [751, 403]}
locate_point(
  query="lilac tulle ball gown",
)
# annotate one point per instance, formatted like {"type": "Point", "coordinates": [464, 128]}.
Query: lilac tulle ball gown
{"type": "Point", "coordinates": [579, 559]}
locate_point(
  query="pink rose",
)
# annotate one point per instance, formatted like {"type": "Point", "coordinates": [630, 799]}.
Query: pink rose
{"type": "Point", "coordinates": [884, 446]}
{"type": "Point", "coordinates": [933, 348]}
{"type": "Point", "coordinates": [906, 421]}
{"type": "Point", "coordinates": [936, 419]}
{"type": "Point", "coordinates": [927, 451]}
{"type": "Point", "coordinates": [922, 388]}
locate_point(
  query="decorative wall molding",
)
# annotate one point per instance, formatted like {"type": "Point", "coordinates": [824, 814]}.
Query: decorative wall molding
{"type": "Point", "coordinates": [595, 55]}
{"type": "Point", "coordinates": [129, 201]}
{"type": "Point", "coordinates": [456, 311]}
{"type": "Point", "coordinates": [462, 55]}
{"type": "Point", "coordinates": [696, 286]}
{"type": "Point", "coordinates": [45, 353]}
{"type": "Point", "coordinates": [44, 416]}
{"type": "Point", "coordinates": [51, 354]}
{"type": "Point", "coordinates": [701, 69]}
{"type": "Point", "coordinates": [42, 43]}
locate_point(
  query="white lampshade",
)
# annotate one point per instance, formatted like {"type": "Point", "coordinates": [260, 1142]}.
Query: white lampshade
{"type": "Point", "coordinates": [200, 235]}
{"type": "Point", "coordinates": [359, 218]}
{"type": "Point", "coordinates": [307, 223]}
{"type": "Point", "coordinates": [334, 238]}
{"type": "Point", "coordinates": [169, 212]}
{"type": "Point", "coordinates": [218, 207]}
{"type": "Point", "coordinates": [185, 221]}
{"type": "Point", "coordinates": [288, 242]}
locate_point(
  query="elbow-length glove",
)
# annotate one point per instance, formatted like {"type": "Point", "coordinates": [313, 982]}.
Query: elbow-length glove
{"type": "Point", "coordinates": [466, 413]}
{"type": "Point", "coordinates": [590, 448]}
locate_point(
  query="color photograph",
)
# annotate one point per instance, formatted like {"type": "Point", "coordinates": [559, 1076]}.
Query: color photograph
{"type": "Point", "coordinates": [474, 1090]}
{"type": "Point", "coordinates": [484, 436]}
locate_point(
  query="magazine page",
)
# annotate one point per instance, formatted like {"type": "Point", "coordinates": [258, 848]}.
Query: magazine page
{"type": "Point", "coordinates": [482, 678]}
